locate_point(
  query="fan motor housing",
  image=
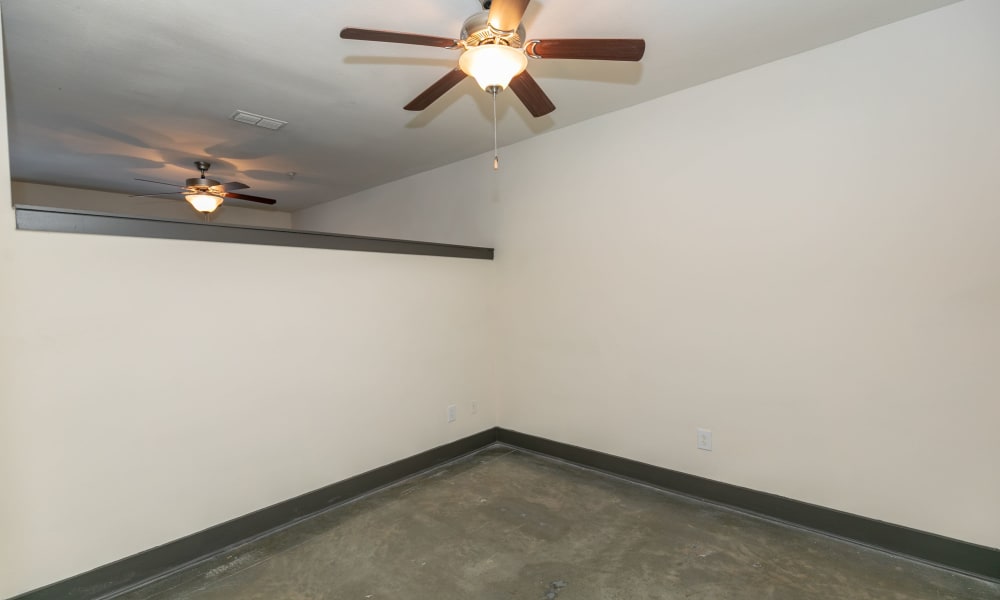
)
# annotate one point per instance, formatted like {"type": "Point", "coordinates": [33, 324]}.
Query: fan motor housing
{"type": "Point", "coordinates": [196, 182]}
{"type": "Point", "coordinates": [476, 31]}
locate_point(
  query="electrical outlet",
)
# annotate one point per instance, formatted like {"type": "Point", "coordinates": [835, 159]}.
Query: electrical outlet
{"type": "Point", "coordinates": [705, 439]}
{"type": "Point", "coordinates": [474, 409]}
{"type": "Point", "coordinates": [452, 412]}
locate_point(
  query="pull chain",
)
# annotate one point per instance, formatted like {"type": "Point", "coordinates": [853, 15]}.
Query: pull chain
{"type": "Point", "coordinates": [496, 154]}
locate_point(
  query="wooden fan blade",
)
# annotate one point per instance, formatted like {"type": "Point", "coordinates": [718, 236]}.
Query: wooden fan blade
{"type": "Point", "coordinates": [233, 185]}
{"type": "Point", "coordinates": [374, 35]}
{"type": "Point", "coordinates": [506, 15]}
{"type": "Point", "coordinates": [250, 198]}
{"type": "Point", "coordinates": [587, 49]}
{"type": "Point", "coordinates": [437, 89]}
{"type": "Point", "coordinates": [531, 94]}
{"type": "Point", "coordinates": [183, 187]}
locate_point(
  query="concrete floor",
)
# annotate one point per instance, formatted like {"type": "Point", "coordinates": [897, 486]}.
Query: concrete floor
{"type": "Point", "coordinates": [505, 524]}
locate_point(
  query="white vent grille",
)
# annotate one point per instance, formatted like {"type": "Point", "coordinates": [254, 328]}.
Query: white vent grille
{"type": "Point", "coordinates": [268, 123]}
{"type": "Point", "coordinates": [242, 116]}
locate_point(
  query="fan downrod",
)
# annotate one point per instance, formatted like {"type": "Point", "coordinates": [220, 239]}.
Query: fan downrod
{"type": "Point", "coordinates": [202, 183]}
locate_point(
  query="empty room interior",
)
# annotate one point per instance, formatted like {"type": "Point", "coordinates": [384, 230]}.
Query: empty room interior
{"type": "Point", "coordinates": [661, 299]}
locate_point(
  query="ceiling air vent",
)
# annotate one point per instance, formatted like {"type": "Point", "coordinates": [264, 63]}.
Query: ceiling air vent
{"type": "Point", "coordinates": [242, 116]}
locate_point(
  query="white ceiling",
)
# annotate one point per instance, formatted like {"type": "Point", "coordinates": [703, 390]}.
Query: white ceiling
{"type": "Point", "coordinates": [103, 91]}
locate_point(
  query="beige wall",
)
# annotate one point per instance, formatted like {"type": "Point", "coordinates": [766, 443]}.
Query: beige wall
{"type": "Point", "coordinates": [36, 194]}
{"type": "Point", "coordinates": [152, 388]}
{"type": "Point", "coordinates": [455, 204]}
{"type": "Point", "coordinates": [802, 257]}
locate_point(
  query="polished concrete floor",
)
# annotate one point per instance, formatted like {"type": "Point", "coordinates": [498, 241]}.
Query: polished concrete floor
{"type": "Point", "coordinates": [505, 524]}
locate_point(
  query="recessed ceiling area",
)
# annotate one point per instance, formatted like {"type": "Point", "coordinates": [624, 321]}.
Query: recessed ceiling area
{"type": "Point", "coordinates": [101, 93]}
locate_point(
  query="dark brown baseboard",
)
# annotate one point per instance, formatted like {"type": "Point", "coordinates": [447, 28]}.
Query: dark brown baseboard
{"type": "Point", "coordinates": [964, 557]}
{"type": "Point", "coordinates": [128, 572]}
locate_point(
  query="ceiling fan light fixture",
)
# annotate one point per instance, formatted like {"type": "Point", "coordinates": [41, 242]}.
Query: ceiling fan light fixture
{"type": "Point", "coordinates": [204, 203]}
{"type": "Point", "coordinates": [493, 64]}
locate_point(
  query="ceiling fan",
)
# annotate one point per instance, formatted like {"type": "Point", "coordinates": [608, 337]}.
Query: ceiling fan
{"type": "Point", "coordinates": [496, 51]}
{"type": "Point", "coordinates": [205, 194]}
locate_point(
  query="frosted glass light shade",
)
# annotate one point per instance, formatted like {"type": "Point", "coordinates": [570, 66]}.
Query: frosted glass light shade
{"type": "Point", "coordinates": [493, 64]}
{"type": "Point", "coordinates": [205, 203]}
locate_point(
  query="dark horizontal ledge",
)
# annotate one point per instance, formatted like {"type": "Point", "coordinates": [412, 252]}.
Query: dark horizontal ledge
{"type": "Point", "coordinates": [40, 218]}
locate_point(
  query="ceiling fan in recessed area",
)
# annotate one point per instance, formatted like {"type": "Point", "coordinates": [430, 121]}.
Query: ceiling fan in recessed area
{"type": "Point", "coordinates": [495, 51]}
{"type": "Point", "coordinates": [205, 194]}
